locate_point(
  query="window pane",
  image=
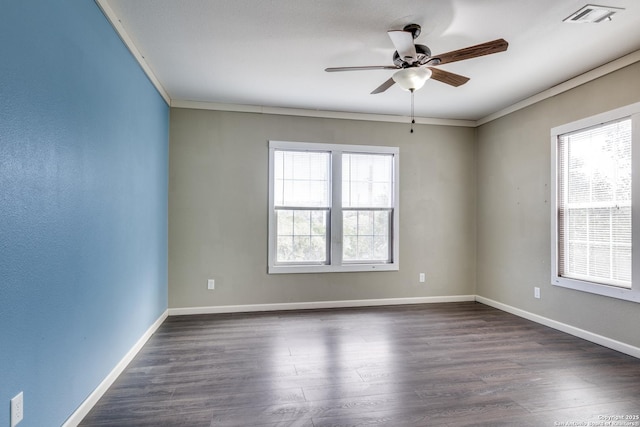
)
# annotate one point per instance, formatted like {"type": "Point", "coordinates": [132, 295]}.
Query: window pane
{"type": "Point", "coordinates": [285, 223]}
{"type": "Point", "coordinates": [621, 263]}
{"type": "Point", "coordinates": [301, 178]}
{"type": "Point", "coordinates": [302, 223]}
{"type": "Point", "coordinates": [366, 235]}
{"type": "Point", "coordinates": [301, 236]}
{"type": "Point", "coordinates": [600, 261]}
{"type": "Point", "coordinates": [381, 224]}
{"type": "Point", "coordinates": [365, 223]}
{"type": "Point", "coordinates": [367, 180]}
{"type": "Point", "coordinates": [577, 258]}
{"type": "Point", "coordinates": [577, 224]}
{"type": "Point", "coordinates": [594, 200]}
{"type": "Point", "coordinates": [365, 247]}
{"type": "Point", "coordinates": [380, 247]}
{"type": "Point", "coordinates": [350, 248]}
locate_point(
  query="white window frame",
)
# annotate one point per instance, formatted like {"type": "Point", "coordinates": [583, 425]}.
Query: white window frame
{"type": "Point", "coordinates": [631, 111]}
{"type": "Point", "coordinates": [335, 262]}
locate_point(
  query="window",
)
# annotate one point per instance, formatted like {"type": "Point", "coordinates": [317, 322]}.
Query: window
{"type": "Point", "coordinates": [332, 207]}
{"type": "Point", "coordinates": [592, 216]}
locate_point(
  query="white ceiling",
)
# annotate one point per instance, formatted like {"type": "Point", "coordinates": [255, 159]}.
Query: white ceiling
{"type": "Point", "coordinates": [272, 53]}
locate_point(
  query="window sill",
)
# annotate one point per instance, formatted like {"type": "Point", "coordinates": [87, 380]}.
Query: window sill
{"type": "Point", "coordinates": [596, 288]}
{"type": "Point", "coordinates": [293, 269]}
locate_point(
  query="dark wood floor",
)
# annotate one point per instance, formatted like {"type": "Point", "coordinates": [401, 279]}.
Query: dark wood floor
{"type": "Point", "coordinates": [418, 365]}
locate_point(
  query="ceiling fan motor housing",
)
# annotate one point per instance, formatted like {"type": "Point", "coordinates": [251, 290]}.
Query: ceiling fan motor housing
{"type": "Point", "coordinates": [424, 53]}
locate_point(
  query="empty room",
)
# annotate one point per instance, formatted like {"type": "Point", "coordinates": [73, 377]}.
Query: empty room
{"type": "Point", "coordinates": [319, 213]}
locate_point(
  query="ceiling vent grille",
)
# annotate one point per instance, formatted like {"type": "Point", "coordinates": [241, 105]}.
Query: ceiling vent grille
{"type": "Point", "coordinates": [592, 14]}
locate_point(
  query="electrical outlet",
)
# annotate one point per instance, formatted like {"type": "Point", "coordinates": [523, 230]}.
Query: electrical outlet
{"type": "Point", "coordinates": [421, 278]}
{"type": "Point", "coordinates": [536, 292]}
{"type": "Point", "coordinates": [17, 409]}
{"type": "Point", "coordinates": [211, 284]}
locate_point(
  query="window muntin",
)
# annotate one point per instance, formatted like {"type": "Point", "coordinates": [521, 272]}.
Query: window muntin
{"type": "Point", "coordinates": [332, 207]}
{"type": "Point", "coordinates": [592, 196]}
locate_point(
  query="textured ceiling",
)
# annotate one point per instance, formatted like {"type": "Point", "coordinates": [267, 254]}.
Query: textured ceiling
{"type": "Point", "coordinates": [273, 53]}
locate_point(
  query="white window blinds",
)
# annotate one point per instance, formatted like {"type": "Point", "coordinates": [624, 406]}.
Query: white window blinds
{"type": "Point", "coordinates": [302, 178]}
{"type": "Point", "coordinates": [594, 204]}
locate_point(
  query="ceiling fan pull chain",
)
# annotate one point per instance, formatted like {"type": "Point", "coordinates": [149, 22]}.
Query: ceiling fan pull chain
{"type": "Point", "coordinates": [413, 120]}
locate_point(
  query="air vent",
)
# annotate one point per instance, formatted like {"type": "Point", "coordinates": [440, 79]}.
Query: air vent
{"type": "Point", "coordinates": [592, 14]}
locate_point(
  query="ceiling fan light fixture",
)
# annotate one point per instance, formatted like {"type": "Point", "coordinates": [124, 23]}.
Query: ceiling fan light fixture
{"type": "Point", "coordinates": [411, 79]}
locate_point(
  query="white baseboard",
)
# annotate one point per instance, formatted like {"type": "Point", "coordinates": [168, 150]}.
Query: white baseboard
{"type": "Point", "coordinates": [572, 330]}
{"type": "Point", "coordinates": [317, 304]}
{"type": "Point", "coordinates": [93, 398]}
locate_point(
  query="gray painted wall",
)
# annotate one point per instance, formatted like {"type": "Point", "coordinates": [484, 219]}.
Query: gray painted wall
{"type": "Point", "coordinates": [218, 187]}
{"type": "Point", "coordinates": [514, 243]}
{"type": "Point", "coordinates": [218, 214]}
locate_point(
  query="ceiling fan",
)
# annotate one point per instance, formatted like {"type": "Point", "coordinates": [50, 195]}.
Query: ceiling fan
{"type": "Point", "coordinates": [415, 64]}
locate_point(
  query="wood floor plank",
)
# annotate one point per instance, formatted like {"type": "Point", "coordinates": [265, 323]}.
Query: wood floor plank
{"type": "Point", "coordinates": [451, 364]}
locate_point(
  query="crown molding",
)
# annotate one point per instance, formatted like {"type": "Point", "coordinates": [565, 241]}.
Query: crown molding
{"type": "Point", "coordinates": [581, 79]}
{"type": "Point", "coordinates": [124, 36]}
{"type": "Point", "coordinates": [199, 105]}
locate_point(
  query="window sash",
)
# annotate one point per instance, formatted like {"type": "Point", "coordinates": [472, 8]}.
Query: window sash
{"type": "Point", "coordinates": [374, 236]}
{"type": "Point", "coordinates": [603, 260]}
{"type": "Point", "coordinates": [288, 186]}
{"type": "Point", "coordinates": [352, 178]}
{"type": "Point", "coordinates": [298, 238]}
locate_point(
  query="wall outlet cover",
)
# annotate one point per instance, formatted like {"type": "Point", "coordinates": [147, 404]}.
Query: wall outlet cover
{"type": "Point", "coordinates": [17, 409]}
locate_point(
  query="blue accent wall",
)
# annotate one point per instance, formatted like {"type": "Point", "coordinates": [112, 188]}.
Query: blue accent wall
{"type": "Point", "coordinates": [83, 204]}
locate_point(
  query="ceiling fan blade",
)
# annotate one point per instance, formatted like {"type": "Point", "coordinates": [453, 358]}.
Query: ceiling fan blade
{"type": "Point", "coordinates": [403, 42]}
{"type": "Point", "coordinates": [448, 77]}
{"type": "Point", "coordinates": [487, 48]}
{"type": "Point", "coordinates": [384, 86]}
{"type": "Point", "coordinates": [370, 67]}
